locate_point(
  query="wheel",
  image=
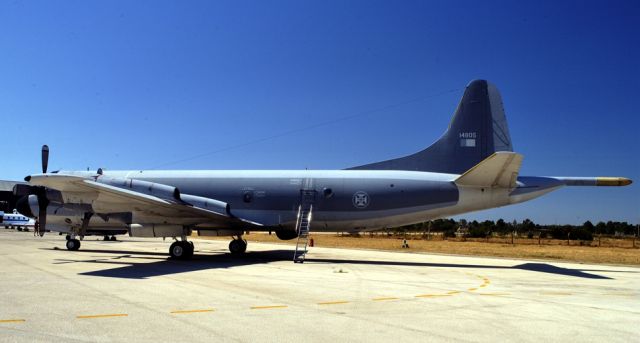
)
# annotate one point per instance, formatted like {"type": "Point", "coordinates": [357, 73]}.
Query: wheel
{"type": "Point", "coordinates": [238, 246]}
{"type": "Point", "coordinates": [19, 228]}
{"type": "Point", "coordinates": [73, 244]}
{"type": "Point", "coordinates": [67, 237]}
{"type": "Point", "coordinates": [181, 250]}
{"type": "Point", "coordinates": [113, 238]}
{"type": "Point", "coordinates": [190, 248]}
{"type": "Point", "coordinates": [105, 238]}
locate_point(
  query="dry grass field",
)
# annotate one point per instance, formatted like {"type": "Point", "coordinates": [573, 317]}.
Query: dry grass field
{"type": "Point", "coordinates": [524, 248]}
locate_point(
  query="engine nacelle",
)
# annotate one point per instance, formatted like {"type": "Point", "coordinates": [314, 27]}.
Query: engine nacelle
{"type": "Point", "coordinates": [28, 206]}
{"type": "Point", "coordinates": [206, 203]}
{"type": "Point", "coordinates": [286, 235]}
{"type": "Point", "coordinates": [150, 188]}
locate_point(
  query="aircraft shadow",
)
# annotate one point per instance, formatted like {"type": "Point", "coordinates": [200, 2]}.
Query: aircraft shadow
{"type": "Point", "coordinates": [162, 265]}
{"type": "Point", "coordinates": [533, 267]}
{"type": "Point", "coordinates": [167, 266]}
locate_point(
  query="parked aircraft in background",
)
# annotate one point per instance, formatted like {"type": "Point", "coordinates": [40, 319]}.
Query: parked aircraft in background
{"type": "Point", "coordinates": [471, 167]}
{"type": "Point", "coordinates": [16, 221]}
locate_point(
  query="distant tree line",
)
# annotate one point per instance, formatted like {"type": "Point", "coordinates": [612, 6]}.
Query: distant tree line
{"type": "Point", "coordinates": [487, 228]}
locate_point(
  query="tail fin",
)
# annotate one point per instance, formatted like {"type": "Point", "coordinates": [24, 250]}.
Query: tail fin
{"type": "Point", "coordinates": [477, 130]}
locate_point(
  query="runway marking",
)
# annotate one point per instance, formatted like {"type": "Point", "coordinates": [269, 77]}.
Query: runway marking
{"type": "Point", "coordinates": [385, 299]}
{"type": "Point", "coordinates": [12, 320]}
{"type": "Point", "coordinates": [268, 307]}
{"type": "Point", "coordinates": [556, 293]}
{"type": "Point", "coordinates": [472, 289]}
{"type": "Point", "coordinates": [333, 302]}
{"type": "Point", "coordinates": [433, 295]}
{"type": "Point", "coordinates": [453, 292]}
{"type": "Point", "coordinates": [93, 316]}
{"type": "Point", "coordinates": [494, 294]}
{"type": "Point", "coordinates": [192, 311]}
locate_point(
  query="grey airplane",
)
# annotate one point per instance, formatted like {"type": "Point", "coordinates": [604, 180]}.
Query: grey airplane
{"type": "Point", "coordinates": [471, 167]}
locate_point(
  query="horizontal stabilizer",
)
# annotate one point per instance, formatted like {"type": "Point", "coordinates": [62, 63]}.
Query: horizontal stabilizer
{"type": "Point", "coordinates": [498, 170]}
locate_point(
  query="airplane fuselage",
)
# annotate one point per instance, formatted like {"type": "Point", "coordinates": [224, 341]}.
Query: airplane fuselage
{"type": "Point", "coordinates": [345, 200]}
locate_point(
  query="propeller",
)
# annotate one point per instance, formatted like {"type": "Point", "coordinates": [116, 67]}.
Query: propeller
{"type": "Point", "coordinates": [45, 158]}
{"type": "Point", "coordinates": [41, 193]}
{"type": "Point", "coordinates": [30, 194]}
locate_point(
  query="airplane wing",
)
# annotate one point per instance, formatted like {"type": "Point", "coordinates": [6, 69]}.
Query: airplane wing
{"type": "Point", "coordinates": [108, 198]}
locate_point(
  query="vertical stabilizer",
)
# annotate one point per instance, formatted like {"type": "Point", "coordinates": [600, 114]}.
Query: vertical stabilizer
{"type": "Point", "coordinates": [478, 129]}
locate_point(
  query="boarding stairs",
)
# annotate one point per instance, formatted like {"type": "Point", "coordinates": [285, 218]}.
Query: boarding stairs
{"type": "Point", "coordinates": [303, 224]}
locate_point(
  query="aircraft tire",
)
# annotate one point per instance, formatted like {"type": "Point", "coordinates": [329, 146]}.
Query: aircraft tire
{"type": "Point", "coordinates": [113, 238]}
{"type": "Point", "coordinates": [181, 250]}
{"type": "Point", "coordinates": [190, 248]}
{"type": "Point", "coordinates": [238, 246]}
{"type": "Point", "coordinates": [73, 244]}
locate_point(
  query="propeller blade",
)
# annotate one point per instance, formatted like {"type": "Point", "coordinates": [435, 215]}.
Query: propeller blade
{"type": "Point", "coordinates": [45, 158]}
{"type": "Point", "coordinates": [43, 203]}
{"type": "Point", "coordinates": [42, 221]}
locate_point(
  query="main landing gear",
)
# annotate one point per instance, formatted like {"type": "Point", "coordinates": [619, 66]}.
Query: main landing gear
{"type": "Point", "coordinates": [181, 250]}
{"type": "Point", "coordinates": [106, 238]}
{"type": "Point", "coordinates": [73, 243]}
{"type": "Point", "coordinates": [238, 245]}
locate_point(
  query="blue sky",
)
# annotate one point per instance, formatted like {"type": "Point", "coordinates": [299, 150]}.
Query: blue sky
{"type": "Point", "coordinates": [322, 85]}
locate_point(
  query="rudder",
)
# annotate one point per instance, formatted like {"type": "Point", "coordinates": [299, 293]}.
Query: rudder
{"type": "Point", "coordinates": [478, 129]}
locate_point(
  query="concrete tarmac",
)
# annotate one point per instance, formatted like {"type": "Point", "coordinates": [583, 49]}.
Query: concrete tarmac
{"type": "Point", "coordinates": [130, 291]}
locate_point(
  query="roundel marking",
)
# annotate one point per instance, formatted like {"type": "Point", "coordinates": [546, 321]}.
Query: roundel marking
{"type": "Point", "coordinates": [361, 199]}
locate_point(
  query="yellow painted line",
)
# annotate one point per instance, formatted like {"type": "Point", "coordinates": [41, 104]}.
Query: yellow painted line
{"type": "Point", "coordinates": [333, 302]}
{"type": "Point", "coordinates": [12, 320]}
{"type": "Point", "coordinates": [102, 316]}
{"type": "Point", "coordinates": [192, 311]}
{"type": "Point", "coordinates": [453, 292]}
{"type": "Point", "coordinates": [268, 307]}
{"type": "Point", "coordinates": [556, 293]}
{"type": "Point", "coordinates": [472, 289]}
{"type": "Point", "coordinates": [385, 299]}
{"type": "Point", "coordinates": [433, 295]}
